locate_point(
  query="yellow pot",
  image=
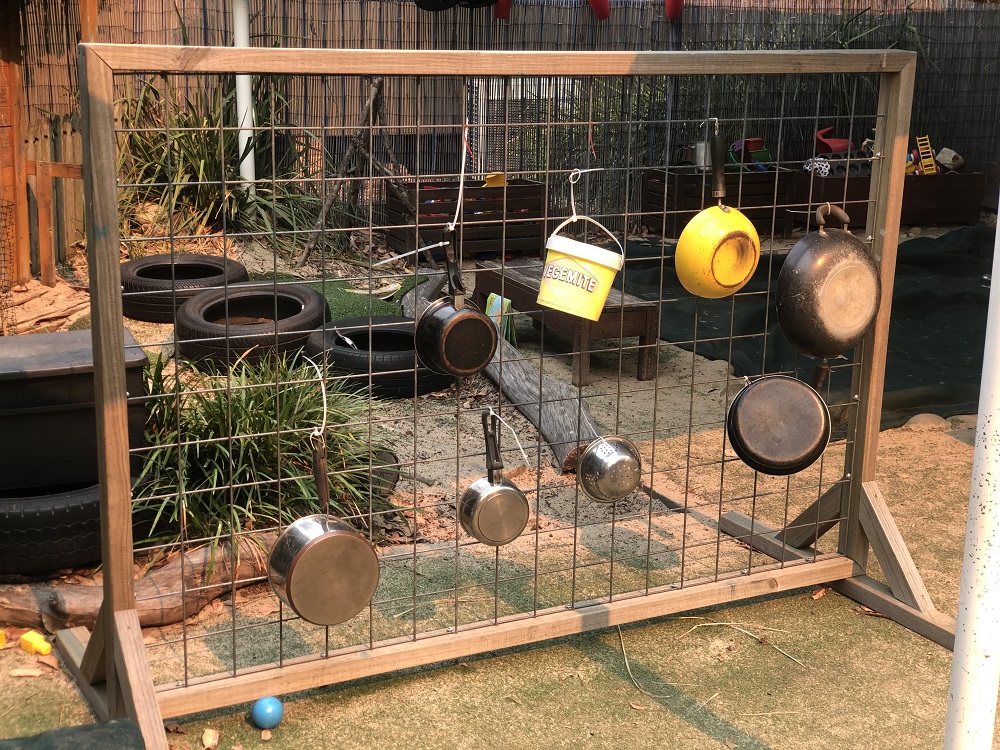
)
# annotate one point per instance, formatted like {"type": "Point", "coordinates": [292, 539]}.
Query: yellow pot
{"type": "Point", "coordinates": [717, 252]}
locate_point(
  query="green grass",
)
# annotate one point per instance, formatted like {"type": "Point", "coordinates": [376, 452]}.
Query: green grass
{"type": "Point", "coordinates": [344, 304]}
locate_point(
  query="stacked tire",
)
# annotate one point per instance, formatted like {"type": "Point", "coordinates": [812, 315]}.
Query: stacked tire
{"type": "Point", "coordinates": [155, 287]}
{"type": "Point", "coordinates": [46, 532]}
{"type": "Point", "coordinates": [385, 351]}
{"type": "Point", "coordinates": [248, 321]}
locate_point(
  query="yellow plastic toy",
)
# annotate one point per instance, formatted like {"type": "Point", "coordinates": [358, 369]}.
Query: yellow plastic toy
{"type": "Point", "coordinates": [3, 639]}
{"type": "Point", "coordinates": [34, 643]}
{"type": "Point", "coordinates": [927, 163]}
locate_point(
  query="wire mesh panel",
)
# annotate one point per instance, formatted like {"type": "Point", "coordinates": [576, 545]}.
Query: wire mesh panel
{"type": "Point", "coordinates": [291, 354]}
{"type": "Point", "coordinates": [6, 267]}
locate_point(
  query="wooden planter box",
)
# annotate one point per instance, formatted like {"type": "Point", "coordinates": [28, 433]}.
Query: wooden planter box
{"type": "Point", "coordinates": [489, 223]}
{"type": "Point", "coordinates": [927, 199]}
{"type": "Point", "coordinates": [760, 196]}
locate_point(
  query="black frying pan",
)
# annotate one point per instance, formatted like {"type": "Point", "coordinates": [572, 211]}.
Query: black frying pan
{"type": "Point", "coordinates": [828, 291]}
{"type": "Point", "coordinates": [778, 425]}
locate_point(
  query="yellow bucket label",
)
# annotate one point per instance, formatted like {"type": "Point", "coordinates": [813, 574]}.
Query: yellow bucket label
{"type": "Point", "coordinates": [579, 279]}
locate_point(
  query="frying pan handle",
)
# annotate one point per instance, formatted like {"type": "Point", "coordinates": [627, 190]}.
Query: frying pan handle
{"type": "Point", "coordinates": [718, 161]}
{"type": "Point", "coordinates": [455, 286]}
{"type": "Point", "coordinates": [319, 473]}
{"type": "Point", "coordinates": [836, 211]}
{"type": "Point", "coordinates": [491, 431]}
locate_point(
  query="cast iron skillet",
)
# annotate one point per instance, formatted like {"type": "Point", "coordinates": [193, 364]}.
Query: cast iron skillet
{"type": "Point", "coordinates": [828, 291]}
{"type": "Point", "coordinates": [778, 425]}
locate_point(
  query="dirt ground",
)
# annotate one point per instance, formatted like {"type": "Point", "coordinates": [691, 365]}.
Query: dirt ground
{"type": "Point", "coordinates": [805, 669]}
{"type": "Point", "coordinates": [843, 678]}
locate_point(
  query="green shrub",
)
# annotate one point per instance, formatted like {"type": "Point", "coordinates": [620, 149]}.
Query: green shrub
{"type": "Point", "coordinates": [231, 450]}
{"type": "Point", "coordinates": [176, 151]}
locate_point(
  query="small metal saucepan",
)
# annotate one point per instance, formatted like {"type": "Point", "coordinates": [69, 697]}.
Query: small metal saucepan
{"type": "Point", "coordinates": [493, 509]}
{"type": "Point", "coordinates": [609, 469]}
{"type": "Point", "coordinates": [321, 567]}
{"type": "Point", "coordinates": [778, 425]}
{"type": "Point", "coordinates": [452, 337]}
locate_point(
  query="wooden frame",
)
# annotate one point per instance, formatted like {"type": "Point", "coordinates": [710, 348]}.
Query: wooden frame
{"type": "Point", "coordinates": [113, 653]}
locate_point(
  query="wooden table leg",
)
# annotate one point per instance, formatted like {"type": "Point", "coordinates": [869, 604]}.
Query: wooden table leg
{"type": "Point", "coordinates": [647, 348]}
{"type": "Point", "coordinates": [581, 354]}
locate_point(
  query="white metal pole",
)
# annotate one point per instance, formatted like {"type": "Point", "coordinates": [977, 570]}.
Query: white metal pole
{"type": "Point", "coordinates": [975, 666]}
{"type": "Point", "coordinates": [244, 94]}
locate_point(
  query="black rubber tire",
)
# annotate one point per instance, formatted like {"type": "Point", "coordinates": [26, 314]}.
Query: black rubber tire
{"type": "Point", "coordinates": [43, 533]}
{"type": "Point", "coordinates": [287, 314]}
{"type": "Point", "coordinates": [155, 286]}
{"type": "Point", "coordinates": [393, 358]}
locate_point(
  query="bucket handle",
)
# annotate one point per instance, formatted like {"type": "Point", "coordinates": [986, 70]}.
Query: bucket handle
{"type": "Point", "coordinates": [595, 222]}
{"type": "Point", "coordinates": [574, 177]}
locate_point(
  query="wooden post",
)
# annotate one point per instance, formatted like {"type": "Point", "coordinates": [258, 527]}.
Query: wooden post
{"type": "Point", "coordinates": [10, 49]}
{"type": "Point", "coordinates": [46, 248]}
{"type": "Point", "coordinates": [886, 200]}
{"type": "Point", "coordinates": [88, 20]}
{"type": "Point", "coordinates": [111, 405]}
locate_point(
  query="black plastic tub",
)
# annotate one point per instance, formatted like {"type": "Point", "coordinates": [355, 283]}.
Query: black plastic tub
{"type": "Point", "coordinates": [48, 427]}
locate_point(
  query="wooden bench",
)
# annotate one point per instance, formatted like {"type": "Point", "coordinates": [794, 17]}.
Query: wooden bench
{"type": "Point", "coordinates": [624, 315]}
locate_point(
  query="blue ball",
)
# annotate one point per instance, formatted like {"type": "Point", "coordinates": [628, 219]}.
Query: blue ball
{"type": "Point", "coordinates": [267, 712]}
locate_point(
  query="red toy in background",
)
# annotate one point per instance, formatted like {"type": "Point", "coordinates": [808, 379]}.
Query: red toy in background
{"type": "Point", "coordinates": [674, 8]}
{"type": "Point", "coordinates": [502, 9]}
{"type": "Point", "coordinates": [826, 145]}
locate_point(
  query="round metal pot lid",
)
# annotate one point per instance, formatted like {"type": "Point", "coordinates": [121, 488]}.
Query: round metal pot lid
{"type": "Point", "coordinates": [332, 578]}
{"type": "Point", "coordinates": [778, 425]}
{"type": "Point", "coordinates": [495, 514]}
{"type": "Point", "coordinates": [609, 469]}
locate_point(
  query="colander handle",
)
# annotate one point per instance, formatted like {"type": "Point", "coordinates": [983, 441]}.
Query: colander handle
{"type": "Point", "coordinates": [491, 432]}
{"type": "Point", "coordinates": [595, 222]}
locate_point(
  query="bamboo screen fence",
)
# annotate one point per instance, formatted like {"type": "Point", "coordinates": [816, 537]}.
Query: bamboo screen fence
{"type": "Point", "coordinates": [956, 41]}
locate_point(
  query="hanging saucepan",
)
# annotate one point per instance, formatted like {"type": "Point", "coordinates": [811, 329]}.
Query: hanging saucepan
{"type": "Point", "coordinates": [778, 425]}
{"type": "Point", "coordinates": [718, 250]}
{"type": "Point", "coordinates": [828, 291]}
{"type": "Point", "coordinates": [493, 509]}
{"type": "Point", "coordinates": [609, 469]}
{"type": "Point", "coordinates": [452, 337]}
{"type": "Point", "coordinates": [321, 567]}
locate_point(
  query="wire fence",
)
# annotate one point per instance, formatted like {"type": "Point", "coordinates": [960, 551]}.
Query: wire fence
{"type": "Point", "coordinates": [233, 412]}
{"type": "Point", "coordinates": [6, 267]}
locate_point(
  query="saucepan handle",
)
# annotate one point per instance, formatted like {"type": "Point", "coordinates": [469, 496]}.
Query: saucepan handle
{"type": "Point", "coordinates": [455, 286]}
{"type": "Point", "coordinates": [718, 160]}
{"type": "Point", "coordinates": [491, 431]}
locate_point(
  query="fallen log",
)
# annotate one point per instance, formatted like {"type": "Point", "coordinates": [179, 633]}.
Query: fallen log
{"type": "Point", "coordinates": [416, 300]}
{"type": "Point", "coordinates": [554, 407]}
{"type": "Point", "coordinates": [164, 596]}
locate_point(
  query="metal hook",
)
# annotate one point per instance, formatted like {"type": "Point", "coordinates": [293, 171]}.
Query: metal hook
{"type": "Point", "coordinates": [574, 177]}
